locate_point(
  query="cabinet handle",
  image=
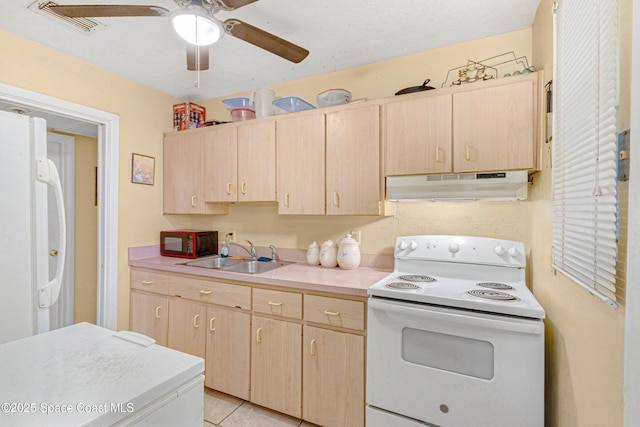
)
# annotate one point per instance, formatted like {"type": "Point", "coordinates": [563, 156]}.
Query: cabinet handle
{"type": "Point", "coordinates": [203, 292]}
{"type": "Point", "coordinates": [438, 154]}
{"type": "Point", "coordinates": [158, 311]}
{"type": "Point", "coordinates": [331, 313]}
{"type": "Point", "coordinates": [228, 188]}
{"type": "Point", "coordinates": [276, 304]}
{"type": "Point", "coordinates": [466, 152]}
{"type": "Point", "coordinates": [244, 188]}
{"type": "Point", "coordinates": [147, 282]}
{"type": "Point", "coordinates": [211, 328]}
{"type": "Point", "coordinates": [286, 199]}
{"type": "Point", "coordinates": [259, 335]}
{"type": "Point", "coordinates": [313, 347]}
{"type": "Point", "coordinates": [195, 321]}
{"type": "Point", "coordinates": [336, 199]}
{"type": "Point", "coordinates": [193, 201]}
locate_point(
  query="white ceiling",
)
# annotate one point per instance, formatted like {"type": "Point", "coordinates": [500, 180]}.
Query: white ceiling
{"type": "Point", "coordinates": [339, 34]}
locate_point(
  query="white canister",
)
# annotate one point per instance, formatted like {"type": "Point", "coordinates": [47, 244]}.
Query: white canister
{"type": "Point", "coordinates": [328, 254]}
{"type": "Point", "coordinates": [263, 99]}
{"type": "Point", "coordinates": [348, 253]}
{"type": "Point", "coordinates": [313, 254]}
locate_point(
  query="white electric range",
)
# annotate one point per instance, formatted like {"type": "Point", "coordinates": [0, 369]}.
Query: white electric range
{"type": "Point", "coordinates": [455, 337]}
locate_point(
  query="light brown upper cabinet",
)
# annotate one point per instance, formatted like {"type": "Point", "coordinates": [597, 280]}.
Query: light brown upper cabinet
{"type": "Point", "coordinates": [484, 126]}
{"type": "Point", "coordinates": [418, 135]}
{"type": "Point", "coordinates": [182, 175]}
{"type": "Point", "coordinates": [495, 125]}
{"type": "Point", "coordinates": [353, 185]}
{"type": "Point", "coordinates": [240, 162]}
{"type": "Point", "coordinates": [301, 169]}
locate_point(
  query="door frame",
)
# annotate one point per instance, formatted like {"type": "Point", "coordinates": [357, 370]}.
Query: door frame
{"type": "Point", "coordinates": [108, 142]}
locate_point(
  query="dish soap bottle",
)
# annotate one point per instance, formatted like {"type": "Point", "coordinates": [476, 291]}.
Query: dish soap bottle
{"type": "Point", "coordinates": [313, 254]}
{"type": "Point", "coordinates": [224, 250]}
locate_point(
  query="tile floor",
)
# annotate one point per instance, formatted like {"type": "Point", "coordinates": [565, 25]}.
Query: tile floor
{"type": "Point", "coordinates": [222, 410]}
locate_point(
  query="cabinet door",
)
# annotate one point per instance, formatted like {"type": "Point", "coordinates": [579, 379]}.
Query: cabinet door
{"type": "Point", "coordinates": [301, 168]}
{"type": "Point", "coordinates": [418, 136]}
{"type": "Point", "coordinates": [276, 365]}
{"type": "Point", "coordinates": [333, 378]}
{"type": "Point", "coordinates": [228, 351]}
{"type": "Point", "coordinates": [220, 159]}
{"type": "Point", "coordinates": [182, 169]}
{"type": "Point", "coordinates": [150, 316]}
{"type": "Point", "coordinates": [353, 161]}
{"type": "Point", "coordinates": [494, 128]}
{"type": "Point", "coordinates": [188, 327]}
{"type": "Point", "coordinates": [257, 162]}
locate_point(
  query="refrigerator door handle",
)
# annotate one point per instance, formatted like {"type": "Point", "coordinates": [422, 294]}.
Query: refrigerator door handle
{"type": "Point", "coordinates": [47, 172]}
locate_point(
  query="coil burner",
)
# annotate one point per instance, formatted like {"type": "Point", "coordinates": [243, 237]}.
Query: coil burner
{"type": "Point", "coordinates": [496, 286]}
{"type": "Point", "coordinates": [492, 295]}
{"type": "Point", "coordinates": [416, 278]}
{"type": "Point", "coordinates": [402, 286]}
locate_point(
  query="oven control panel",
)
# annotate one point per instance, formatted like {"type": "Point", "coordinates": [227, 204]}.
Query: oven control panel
{"type": "Point", "coordinates": [468, 249]}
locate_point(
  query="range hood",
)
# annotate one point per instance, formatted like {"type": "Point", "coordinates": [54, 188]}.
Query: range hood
{"type": "Point", "coordinates": [510, 185]}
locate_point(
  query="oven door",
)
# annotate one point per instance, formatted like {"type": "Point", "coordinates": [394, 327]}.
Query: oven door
{"type": "Point", "coordinates": [454, 368]}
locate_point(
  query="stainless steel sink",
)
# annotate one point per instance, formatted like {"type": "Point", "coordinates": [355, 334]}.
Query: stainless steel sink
{"type": "Point", "coordinates": [213, 262]}
{"type": "Point", "coordinates": [236, 265]}
{"type": "Point", "coordinates": [255, 267]}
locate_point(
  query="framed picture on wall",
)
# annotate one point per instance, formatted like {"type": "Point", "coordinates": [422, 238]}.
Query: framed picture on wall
{"type": "Point", "coordinates": [142, 169]}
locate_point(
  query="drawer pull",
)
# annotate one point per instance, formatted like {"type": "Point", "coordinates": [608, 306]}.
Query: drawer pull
{"type": "Point", "coordinates": [203, 292]}
{"type": "Point", "coordinates": [147, 282]}
{"type": "Point", "coordinates": [195, 321]}
{"type": "Point", "coordinates": [275, 304]}
{"type": "Point", "coordinates": [211, 328]}
{"type": "Point", "coordinates": [259, 335]}
{"type": "Point", "coordinates": [313, 347]}
{"type": "Point", "coordinates": [331, 313]}
{"type": "Point", "coordinates": [158, 311]}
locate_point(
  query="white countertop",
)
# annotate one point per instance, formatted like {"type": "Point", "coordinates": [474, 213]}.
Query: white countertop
{"type": "Point", "coordinates": [297, 275]}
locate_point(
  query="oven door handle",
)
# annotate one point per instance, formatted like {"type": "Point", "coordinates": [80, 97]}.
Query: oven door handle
{"type": "Point", "coordinates": [425, 312]}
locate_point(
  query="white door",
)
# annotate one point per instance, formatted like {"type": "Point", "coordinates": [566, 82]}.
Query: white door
{"type": "Point", "coordinates": [60, 149]}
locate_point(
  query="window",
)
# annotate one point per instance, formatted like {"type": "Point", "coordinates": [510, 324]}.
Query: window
{"type": "Point", "coordinates": [584, 150]}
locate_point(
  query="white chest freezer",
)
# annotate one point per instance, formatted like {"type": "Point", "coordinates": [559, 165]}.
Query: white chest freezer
{"type": "Point", "coordinates": [85, 375]}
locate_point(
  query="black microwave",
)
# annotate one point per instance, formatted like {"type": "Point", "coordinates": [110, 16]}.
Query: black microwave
{"type": "Point", "coordinates": [188, 243]}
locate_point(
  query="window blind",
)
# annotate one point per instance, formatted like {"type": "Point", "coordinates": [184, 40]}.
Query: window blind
{"type": "Point", "coordinates": [584, 144]}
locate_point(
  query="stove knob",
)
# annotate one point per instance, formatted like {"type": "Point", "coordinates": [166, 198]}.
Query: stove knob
{"type": "Point", "coordinates": [453, 247]}
{"type": "Point", "coordinates": [413, 245]}
{"type": "Point", "coordinates": [513, 251]}
{"type": "Point", "coordinates": [500, 250]}
{"type": "Point", "coordinates": [402, 245]}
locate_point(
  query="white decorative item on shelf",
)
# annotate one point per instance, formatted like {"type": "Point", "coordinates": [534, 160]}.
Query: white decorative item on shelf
{"type": "Point", "coordinates": [329, 254]}
{"type": "Point", "coordinates": [332, 97]}
{"type": "Point", "coordinates": [348, 253]}
{"type": "Point", "coordinates": [313, 254]}
{"type": "Point", "coordinates": [262, 99]}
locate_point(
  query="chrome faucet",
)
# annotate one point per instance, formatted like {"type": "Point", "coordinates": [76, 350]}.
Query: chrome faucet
{"type": "Point", "coordinates": [252, 251]}
{"type": "Point", "coordinates": [274, 255]}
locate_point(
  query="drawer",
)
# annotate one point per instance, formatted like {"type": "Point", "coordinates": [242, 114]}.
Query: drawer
{"type": "Point", "coordinates": [211, 292]}
{"type": "Point", "coordinates": [278, 303]}
{"type": "Point", "coordinates": [334, 311]}
{"type": "Point", "coordinates": [149, 281]}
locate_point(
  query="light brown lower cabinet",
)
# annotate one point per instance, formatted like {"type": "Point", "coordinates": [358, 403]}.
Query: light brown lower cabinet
{"type": "Point", "coordinates": [276, 365]}
{"type": "Point", "coordinates": [228, 353]}
{"type": "Point", "coordinates": [187, 329]}
{"type": "Point", "coordinates": [333, 378]}
{"type": "Point", "coordinates": [150, 315]}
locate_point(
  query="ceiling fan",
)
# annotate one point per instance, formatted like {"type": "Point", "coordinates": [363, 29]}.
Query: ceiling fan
{"type": "Point", "coordinates": [195, 23]}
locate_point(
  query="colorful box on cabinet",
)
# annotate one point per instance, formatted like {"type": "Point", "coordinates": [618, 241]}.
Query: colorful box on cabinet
{"type": "Point", "coordinates": [188, 115]}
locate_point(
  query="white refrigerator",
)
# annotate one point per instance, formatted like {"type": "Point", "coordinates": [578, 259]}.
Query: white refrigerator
{"type": "Point", "coordinates": [27, 287]}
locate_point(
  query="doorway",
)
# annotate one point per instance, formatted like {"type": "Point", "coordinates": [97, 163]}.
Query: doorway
{"type": "Point", "coordinates": [108, 130]}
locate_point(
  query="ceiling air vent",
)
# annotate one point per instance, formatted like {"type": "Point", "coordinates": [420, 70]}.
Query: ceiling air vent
{"type": "Point", "coordinates": [85, 25]}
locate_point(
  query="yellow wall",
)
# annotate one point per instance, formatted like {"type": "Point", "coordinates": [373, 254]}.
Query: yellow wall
{"type": "Point", "coordinates": [585, 338]}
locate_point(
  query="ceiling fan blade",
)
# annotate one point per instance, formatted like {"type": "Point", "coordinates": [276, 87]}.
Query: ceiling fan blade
{"type": "Point", "coordinates": [236, 4]}
{"type": "Point", "coordinates": [265, 40]}
{"type": "Point", "coordinates": [106, 11]}
{"type": "Point", "coordinates": [192, 57]}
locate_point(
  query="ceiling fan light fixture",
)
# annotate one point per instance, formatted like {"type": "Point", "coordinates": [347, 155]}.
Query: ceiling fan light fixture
{"type": "Point", "coordinates": [195, 27]}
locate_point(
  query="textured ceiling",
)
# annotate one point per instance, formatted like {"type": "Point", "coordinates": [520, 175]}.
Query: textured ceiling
{"type": "Point", "coordinates": [339, 34]}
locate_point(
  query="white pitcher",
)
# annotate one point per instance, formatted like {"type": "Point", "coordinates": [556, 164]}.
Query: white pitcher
{"type": "Point", "coordinates": [263, 99]}
{"type": "Point", "coordinates": [328, 254]}
{"type": "Point", "coordinates": [313, 254]}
